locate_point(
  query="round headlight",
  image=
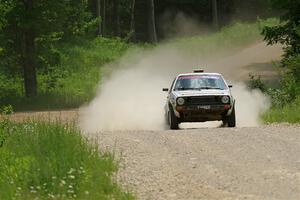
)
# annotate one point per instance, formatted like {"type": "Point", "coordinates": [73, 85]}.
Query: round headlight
{"type": "Point", "coordinates": [225, 99]}
{"type": "Point", "coordinates": [180, 101]}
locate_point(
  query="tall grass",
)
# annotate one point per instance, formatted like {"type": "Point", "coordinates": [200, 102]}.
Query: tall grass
{"type": "Point", "coordinates": [289, 113]}
{"type": "Point", "coordinates": [52, 161]}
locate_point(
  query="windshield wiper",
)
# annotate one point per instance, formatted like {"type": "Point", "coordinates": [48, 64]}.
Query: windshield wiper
{"type": "Point", "coordinates": [211, 88]}
{"type": "Point", "coordinates": [188, 89]}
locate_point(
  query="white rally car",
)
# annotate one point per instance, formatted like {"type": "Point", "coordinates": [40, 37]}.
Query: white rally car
{"type": "Point", "coordinates": [199, 97]}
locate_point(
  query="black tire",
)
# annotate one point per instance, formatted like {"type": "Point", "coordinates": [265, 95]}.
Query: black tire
{"type": "Point", "coordinates": [231, 119]}
{"type": "Point", "coordinates": [173, 120]}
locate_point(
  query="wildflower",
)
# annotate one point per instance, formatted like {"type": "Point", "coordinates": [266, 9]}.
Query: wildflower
{"type": "Point", "coordinates": [71, 171]}
{"type": "Point", "coordinates": [71, 176]}
{"type": "Point", "coordinates": [62, 182]}
{"type": "Point", "coordinates": [70, 191]}
{"type": "Point", "coordinates": [51, 196]}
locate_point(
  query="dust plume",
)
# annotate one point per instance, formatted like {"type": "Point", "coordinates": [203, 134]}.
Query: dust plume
{"type": "Point", "coordinates": [249, 105]}
{"type": "Point", "coordinates": [131, 98]}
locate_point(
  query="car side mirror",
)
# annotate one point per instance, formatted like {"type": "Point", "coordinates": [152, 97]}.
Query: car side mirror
{"type": "Point", "coordinates": [165, 89]}
{"type": "Point", "coordinates": [230, 86]}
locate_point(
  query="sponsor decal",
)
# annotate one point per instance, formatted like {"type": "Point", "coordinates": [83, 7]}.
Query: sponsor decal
{"type": "Point", "coordinates": [198, 77]}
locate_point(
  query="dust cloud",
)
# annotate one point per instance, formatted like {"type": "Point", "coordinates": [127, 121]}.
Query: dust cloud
{"type": "Point", "coordinates": [131, 97]}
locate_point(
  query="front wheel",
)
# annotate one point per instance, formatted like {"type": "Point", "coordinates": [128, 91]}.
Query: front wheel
{"type": "Point", "coordinates": [173, 120]}
{"type": "Point", "coordinates": [230, 120]}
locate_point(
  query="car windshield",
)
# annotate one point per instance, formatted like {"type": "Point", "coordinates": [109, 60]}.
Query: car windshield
{"type": "Point", "coordinates": [200, 82]}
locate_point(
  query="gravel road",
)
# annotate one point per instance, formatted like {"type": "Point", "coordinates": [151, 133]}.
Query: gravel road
{"type": "Point", "coordinates": [209, 163]}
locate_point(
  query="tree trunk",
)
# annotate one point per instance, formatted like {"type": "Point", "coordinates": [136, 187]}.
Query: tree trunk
{"type": "Point", "coordinates": [116, 8]}
{"type": "Point", "coordinates": [99, 31]}
{"type": "Point", "coordinates": [28, 56]}
{"type": "Point", "coordinates": [103, 17]}
{"type": "Point", "coordinates": [215, 14]}
{"type": "Point", "coordinates": [151, 21]}
{"type": "Point", "coordinates": [132, 21]}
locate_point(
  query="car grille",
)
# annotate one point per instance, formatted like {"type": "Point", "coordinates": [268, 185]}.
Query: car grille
{"type": "Point", "coordinates": [203, 100]}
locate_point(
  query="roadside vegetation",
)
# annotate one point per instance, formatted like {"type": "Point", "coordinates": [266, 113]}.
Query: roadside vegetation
{"type": "Point", "coordinates": [41, 160]}
{"type": "Point", "coordinates": [287, 113]}
{"type": "Point", "coordinates": [75, 78]}
{"type": "Point", "coordinates": [52, 55]}
{"type": "Point", "coordinates": [286, 97]}
{"type": "Point", "coordinates": [71, 83]}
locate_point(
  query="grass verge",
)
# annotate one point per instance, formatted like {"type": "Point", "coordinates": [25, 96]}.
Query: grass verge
{"type": "Point", "coordinates": [51, 161]}
{"type": "Point", "coordinates": [289, 113]}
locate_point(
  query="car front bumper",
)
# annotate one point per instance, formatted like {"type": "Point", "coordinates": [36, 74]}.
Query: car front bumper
{"type": "Point", "coordinates": [202, 113]}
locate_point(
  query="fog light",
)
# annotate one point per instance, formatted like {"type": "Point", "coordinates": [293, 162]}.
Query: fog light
{"type": "Point", "coordinates": [179, 108]}
{"type": "Point", "coordinates": [227, 106]}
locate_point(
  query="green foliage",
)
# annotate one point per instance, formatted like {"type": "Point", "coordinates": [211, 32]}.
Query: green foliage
{"type": "Point", "coordinates": [42, 161]}
{"type": "Point", "coordinates": [9, 87]}
{"type": "Point", "coordinates": [256, 83]}
{"type": "Point", "coordinates": [288, 113]}
{"type": "Point", "coordinates": [289, 89]}
{"type": "Point", "coordinates": [291, 78]}
{"type": "Point", "coordinates": [30, 31]}
{"type": "Point", "coordinates": [286, 98]}
{"type": "Point", "coordinates": [288, 32]}
{"type": "Point", "coordinates": [5, 6]}
{"type": "Point", "coordinates": [71, 83]}
{"type": "Point", "coordinates": [75, 80]}
{"type": "Point", "coordinates": [6, 110]}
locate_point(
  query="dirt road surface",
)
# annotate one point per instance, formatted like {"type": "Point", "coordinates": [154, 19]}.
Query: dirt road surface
{"type": "Point", "coordinates": [206, 163]}
{"type": "Point", "coordinates": [209, 163]}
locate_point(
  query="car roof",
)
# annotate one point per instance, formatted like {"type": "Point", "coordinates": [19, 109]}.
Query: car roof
{"type": "Point", "coordinates": [202, 73]}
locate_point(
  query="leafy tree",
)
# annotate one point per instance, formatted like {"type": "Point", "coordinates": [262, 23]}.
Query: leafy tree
{"type": "Point", "coordinates": [288, 32]}
{"type": "Point", "coordinates": [32, 26]}
{"type": "Point", "coordinates": [4, 8]}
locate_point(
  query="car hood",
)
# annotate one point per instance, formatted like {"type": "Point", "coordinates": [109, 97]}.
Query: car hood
{"type": "Point", "coordinates": [189, 93]}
